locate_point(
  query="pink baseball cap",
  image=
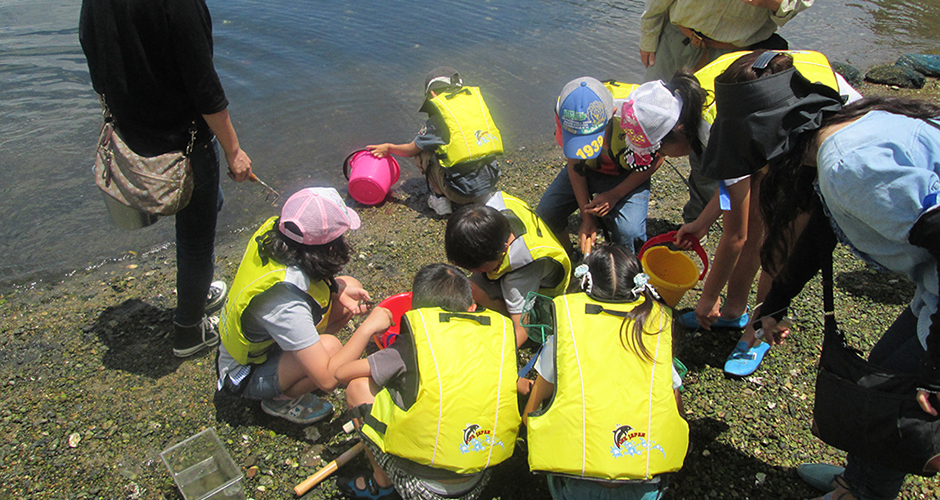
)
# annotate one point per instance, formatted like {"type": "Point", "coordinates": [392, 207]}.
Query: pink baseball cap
{"type": "Point", "coordinates": [316, 216]}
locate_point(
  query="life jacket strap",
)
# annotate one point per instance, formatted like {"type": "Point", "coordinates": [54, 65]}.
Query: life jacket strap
{"type": "Point", "coordinates": [463, 90]}
{"type": "Point", "coordinates": [597, 309]}
{"type": "Point", "coordinates": [446, 316]}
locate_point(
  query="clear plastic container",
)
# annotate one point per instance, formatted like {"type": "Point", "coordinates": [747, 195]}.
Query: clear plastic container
{"type": "Point", "coordinates": [203, 469]}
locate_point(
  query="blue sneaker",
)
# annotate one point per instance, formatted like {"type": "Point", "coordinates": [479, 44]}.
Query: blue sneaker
{"type": "Point", "coordinates": [743, 360]}
{"type": "Point", "coordinates": [305, 409]}
{"type": "Point", "coordinates": [689, 320]}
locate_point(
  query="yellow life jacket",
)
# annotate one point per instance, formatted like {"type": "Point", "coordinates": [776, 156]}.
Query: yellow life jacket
{"type": "Point", "coordinates": [812, 65]}
{"type": "Point", "coordinates": [465, 415]}
{"type": "Point", "coordinates": [534, 241]}
{"type": "Point", "coordinates": [613, 415]}
{"type": "Point", "coordinates": [473, 135]}
{"type": "Point", "coordinates": [253, 277]}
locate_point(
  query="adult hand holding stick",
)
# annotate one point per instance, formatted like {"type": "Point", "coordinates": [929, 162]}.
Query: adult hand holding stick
{"type": "Point", "coordinates": [330, 468]}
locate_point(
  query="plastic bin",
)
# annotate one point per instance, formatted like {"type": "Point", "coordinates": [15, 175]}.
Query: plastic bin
{"type": "Point", "coordinates": [203, 469]}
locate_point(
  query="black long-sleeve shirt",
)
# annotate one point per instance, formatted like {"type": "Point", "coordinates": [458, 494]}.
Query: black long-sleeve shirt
{"type": "Point", "coordinates": [153, 62]}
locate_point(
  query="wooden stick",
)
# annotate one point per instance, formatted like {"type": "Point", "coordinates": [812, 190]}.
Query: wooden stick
{"type": "Point", "coordinates": [330, 468]}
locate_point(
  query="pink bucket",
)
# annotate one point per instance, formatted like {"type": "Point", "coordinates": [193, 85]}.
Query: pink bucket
{"type": "Point", "coordinates": [398, 305]}
{"type": "Point", "coordinates": [369, 177]}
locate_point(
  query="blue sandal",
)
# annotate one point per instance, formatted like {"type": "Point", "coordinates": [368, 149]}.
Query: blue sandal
{"type": "Point", "coordinates": [744, 360]}
{"type": "Point", "coordinates": [689, 320]}
{"type": "Point", "coordinates": [372, 491]}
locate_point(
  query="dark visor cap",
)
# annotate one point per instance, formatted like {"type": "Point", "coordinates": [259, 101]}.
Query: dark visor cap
{"type": "Point", "coordinates": [761, 120]}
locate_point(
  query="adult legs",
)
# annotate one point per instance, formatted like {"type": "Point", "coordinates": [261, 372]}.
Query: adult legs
{"type": "Point", "coordinates": [701, 190]}
{"type": "Point", "coordinates": [195, 237]}
{"type": "Point", "coordinates": [900, 350]}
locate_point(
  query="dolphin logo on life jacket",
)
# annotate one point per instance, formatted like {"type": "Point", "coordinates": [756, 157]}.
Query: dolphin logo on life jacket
{"type": "Point", "coordinates": [621, 434]}
{"type": "Point", "coordinates": [469, 433]}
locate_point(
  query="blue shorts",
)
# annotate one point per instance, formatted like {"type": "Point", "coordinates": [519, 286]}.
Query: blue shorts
{"type": "Point", "coordinates": [262, 382]}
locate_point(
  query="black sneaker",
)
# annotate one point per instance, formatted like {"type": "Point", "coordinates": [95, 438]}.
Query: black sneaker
{"type": "Point", "coordinates": [218, 290]}
{"type": "Point", "coordinates": [188, 340]}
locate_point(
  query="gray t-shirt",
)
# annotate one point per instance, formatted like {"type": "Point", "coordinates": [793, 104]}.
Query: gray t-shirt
{"type": "Point", "coordinates": [281, 313]}
{"type": "Point", "coordinates": [513, 286]}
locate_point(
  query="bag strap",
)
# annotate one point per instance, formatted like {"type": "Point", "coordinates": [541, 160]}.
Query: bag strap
{"type": "Point", "coordinates": [108, 117]}
{"type": "Point", "coordinates": [831, 332]}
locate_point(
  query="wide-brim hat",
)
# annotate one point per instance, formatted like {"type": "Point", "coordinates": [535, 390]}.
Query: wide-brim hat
{"type": "Point", "coordinates": [761, 120]}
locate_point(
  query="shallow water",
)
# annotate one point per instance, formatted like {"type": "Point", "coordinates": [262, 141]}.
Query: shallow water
{"type": "Point", "coordinates": [311, 81]}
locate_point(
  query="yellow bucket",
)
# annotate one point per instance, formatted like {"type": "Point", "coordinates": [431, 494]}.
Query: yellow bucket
{"type": "Point", "coordinates": [671, 272]}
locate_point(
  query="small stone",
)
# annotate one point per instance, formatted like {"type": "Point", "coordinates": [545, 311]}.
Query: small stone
{"type": "Point", "coordinates": [312, 434]}
{"type": "Point", "coordinates": [706, 453]}
{"type": "Point", "coordinates": [760, 477]}
{"type": "Point", "coordinates": [74, 439]}
{"type": "Point", "coordinates": [252, 472]}
{"type": "Point", "coordinates": [265, 481]}
{"type": "Point", "coordinates": [311, 457]}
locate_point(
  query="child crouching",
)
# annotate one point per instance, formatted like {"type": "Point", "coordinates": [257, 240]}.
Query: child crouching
{"type": "Point", "coordinates": [612, 425]}
{"type": "Point", "coordinates": [438, 407]}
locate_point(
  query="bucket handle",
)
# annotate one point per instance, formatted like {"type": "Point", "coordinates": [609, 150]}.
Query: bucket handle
{"type": "Point", "coordinates": [669, 238]}
{"type": "Point", "coordinates": [346, 162]}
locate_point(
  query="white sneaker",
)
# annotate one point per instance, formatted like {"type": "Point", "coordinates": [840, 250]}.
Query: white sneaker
{"type": "Point", "coordinates": [217, 292]}
{"type": "Point", "coordinates": [440, 204]}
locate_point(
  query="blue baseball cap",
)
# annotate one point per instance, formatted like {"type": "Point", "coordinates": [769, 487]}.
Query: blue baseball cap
{"type": "Point", "coordinates": [583, 110]}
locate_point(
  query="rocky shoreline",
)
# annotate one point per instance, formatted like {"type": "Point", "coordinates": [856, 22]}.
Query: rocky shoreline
{"type": "Point", "coordinates": [92, 392]}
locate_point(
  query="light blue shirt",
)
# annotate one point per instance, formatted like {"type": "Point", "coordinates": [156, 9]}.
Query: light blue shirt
{"type": "Point", "coordinates": [877, 176]}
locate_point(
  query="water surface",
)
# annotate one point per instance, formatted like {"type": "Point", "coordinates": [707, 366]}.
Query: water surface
{"type": "Point", "coordinates": [310, 81]}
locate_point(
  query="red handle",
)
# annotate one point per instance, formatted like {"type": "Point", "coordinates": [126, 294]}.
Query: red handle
{"type": "Point", "coordinates": [671, 237]}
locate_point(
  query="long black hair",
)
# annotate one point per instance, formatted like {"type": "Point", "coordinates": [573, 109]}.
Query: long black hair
{"type": "Point", "coordinates": [787, 190]}
{"type": "Point", "coordinates": [694, 98]}
{"type": "Point", "coordinates": [318, 262]}
{"type": "Point", "coordinates": [612, 268]}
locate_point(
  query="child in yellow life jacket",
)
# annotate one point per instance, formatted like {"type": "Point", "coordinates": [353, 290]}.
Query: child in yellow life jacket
{"type": "Point", "coordinates": [438, 407]}
{"type": "Point", "coordinates": [604, 417]}
{"type": "Point", "coordinates": [510, 252]}
{"type": "Point", "coordinates": [457, 148]}
{"type": "Point", "coordinates": [285, 305]}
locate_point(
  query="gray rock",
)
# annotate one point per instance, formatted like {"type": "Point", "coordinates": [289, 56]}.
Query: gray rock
{"type": "Point", "coordinates": [900, 76]}
{"type": "Point", "coordinates": [851, 74]}
{"type": "Point", "coordinates": [925, 64]}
